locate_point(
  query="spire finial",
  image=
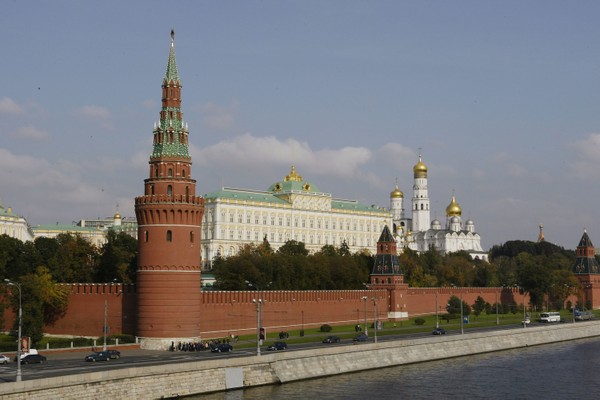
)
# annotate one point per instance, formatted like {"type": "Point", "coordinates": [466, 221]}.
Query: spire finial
{"type": "Point", "coordinates": [396, 182]}
{"type": "Point", "coordinates": [172, 37]}
{"type": "Point", "coordinates": [420, 153]}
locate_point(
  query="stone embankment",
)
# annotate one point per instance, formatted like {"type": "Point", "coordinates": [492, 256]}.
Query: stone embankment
{"type": "Point", "coordinates": [172, 380]}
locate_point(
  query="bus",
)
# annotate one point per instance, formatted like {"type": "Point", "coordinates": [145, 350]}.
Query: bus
{"type": "Point", "coordinates": [552, 316]}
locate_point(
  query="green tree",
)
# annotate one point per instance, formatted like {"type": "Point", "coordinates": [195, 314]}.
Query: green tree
{"type": "Point", "coordinates": [293, 248]}
{"type": "Point", "coordinates": [74, 260]}
{"type": "Point", "coordinates": [479, 306]}
{"type": "Point", "coordinates": [43, 302]}
{"type": "Point", "coordinates": [117, 259]}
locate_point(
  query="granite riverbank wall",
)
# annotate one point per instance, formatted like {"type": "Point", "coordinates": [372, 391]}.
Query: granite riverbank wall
{"type": "Point", "coordinates": [173, 380]}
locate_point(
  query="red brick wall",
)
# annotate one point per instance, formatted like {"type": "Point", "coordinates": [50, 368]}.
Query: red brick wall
{"type": "Point", "coordinates": [225, 313]}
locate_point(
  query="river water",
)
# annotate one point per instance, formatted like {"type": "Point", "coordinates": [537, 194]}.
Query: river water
{"type": "Point", "coordinates": [568, 370]}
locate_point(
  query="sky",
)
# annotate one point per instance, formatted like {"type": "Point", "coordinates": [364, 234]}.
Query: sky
{"type": "Point", "coordinates": [500, 98]}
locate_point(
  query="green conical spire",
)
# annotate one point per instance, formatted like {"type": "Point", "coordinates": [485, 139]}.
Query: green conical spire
{"type": "Point", "coordinates": [171, 74]}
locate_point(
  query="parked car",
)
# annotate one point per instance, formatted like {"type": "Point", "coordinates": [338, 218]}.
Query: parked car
{"type": "Point", "coordinates": [114, 354]}
{"type": "Point", "coordinates": [4, 359]}
{"type": "Point", "coordinates": [98, 356]}
{"type": "Point", "coordinates": [33, 359]}
{"type": "Point", "coordinates": [439, 331]}
{"type": "Point", "coordinates": [221, 348]}
{"type": "Point", "coordinates": [331, 339]}
{"type": "Point", "coordinates": [277, 346]}
{"type": "Point", "coordinates": [361, 337]}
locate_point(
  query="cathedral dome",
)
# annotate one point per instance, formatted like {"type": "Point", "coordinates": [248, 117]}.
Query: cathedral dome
{"type": "Point", "coordinates": [397, 193]}
{"type": "Point", "coordinates": [453, 208]}
{"type": "Point", "coordinates": [420, 169]}
{"type": "Point", "coordinates": [117, 215]}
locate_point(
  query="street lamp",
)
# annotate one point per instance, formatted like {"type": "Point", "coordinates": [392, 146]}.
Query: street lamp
{"type": "Point", "coordinates": [258, 323]}
{"type": "Point", "coordinates": [18, 286]}
{"type": "Point", "coordinates": [522, 289]}
{"type": "Point", "coordinates": [365, 298]}
{"type": "Point", "coordinates": [462, 331]}
{"type": "Point", "coordinates": [437, 317]}
{"type": "Point", "coordinates": [375, 317]}
{"type": "Point", "coordinates": [497, 318]}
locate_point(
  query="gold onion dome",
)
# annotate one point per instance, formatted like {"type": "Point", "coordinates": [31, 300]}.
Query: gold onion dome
{"type": "Point", "coordinates": [293, 176]}
{"type": "Point", "coordinates": [117, 215]}
{"type": "Point", "coordinates": [453, 209]}
{"type": "Point", "coordinates": [420, 169]}
{"type": "Point", "coordinates": [397, 193]}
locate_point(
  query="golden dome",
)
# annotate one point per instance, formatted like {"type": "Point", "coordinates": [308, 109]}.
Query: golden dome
{"type": "Point", "coordinates": [453, 209]}
{"type": "Point", "coordinates": [293, 176]}
{"type": "Point", "coordinates": [117, 215]}
{"type": "Point", "coordinates": [420, 169]}
{"type": "Point", "coordinates": [397, 193]}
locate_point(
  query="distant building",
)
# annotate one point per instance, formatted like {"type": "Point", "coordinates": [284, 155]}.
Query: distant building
{"type": "Point", "coordinates": [291, 209]}
{"type": "Point", "coordinates": [14, 225]}
{"type": "Point", "coordinates": [419, 234]}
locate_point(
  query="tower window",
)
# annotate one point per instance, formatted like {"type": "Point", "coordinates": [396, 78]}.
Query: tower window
{"type": "Point", "coordinates": [170, 173]}
{"type": "Point", "coordinates": [191, 237]}
{"type": "Point", "coordinates": [146, 236]}
{"type": "Point", "coordinates": [183, 173]}
{"type": "Point", "coordinates": [169, 236]}
{"type": "Point", "coordinates": [169, 190]}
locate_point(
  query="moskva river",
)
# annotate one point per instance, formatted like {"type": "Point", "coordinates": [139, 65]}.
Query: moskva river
{"type": "Point", "coordinates": [569, 370]}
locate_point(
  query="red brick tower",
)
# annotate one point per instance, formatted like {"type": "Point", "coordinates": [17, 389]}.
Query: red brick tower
{"type": "Point", "coordinates": [169, 216]}
{"type": "Point", "coordinates": [587, 271]}
{"type": "Point", "coordinates": [386, 274]}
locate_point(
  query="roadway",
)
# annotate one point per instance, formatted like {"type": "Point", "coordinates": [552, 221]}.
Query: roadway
{"type": "Point", "coordinates": [68, 363]}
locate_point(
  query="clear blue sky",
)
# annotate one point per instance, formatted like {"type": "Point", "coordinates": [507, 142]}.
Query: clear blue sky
{"type": "Point", "coordinates": [502, 97]}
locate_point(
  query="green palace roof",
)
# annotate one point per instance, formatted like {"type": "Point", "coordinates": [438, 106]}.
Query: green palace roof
{"type": "Point", "coordinates": [292, 183]}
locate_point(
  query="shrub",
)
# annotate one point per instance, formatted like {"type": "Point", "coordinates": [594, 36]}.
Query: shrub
{"type": "Point", "coordinates": [419, 321]}
{"type": "Point", "coordinates": [325, 328]}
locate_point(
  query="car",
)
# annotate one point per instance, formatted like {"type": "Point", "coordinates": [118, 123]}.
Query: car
{"type": "Point", "coordinates": [439, 331]}
{"type": "Point", "coordinates": [114, 354]}
{"type": "Point", "coordinates": [33, 359]}
{"type": "Point", "coordinates": [361, 337]}
{"type": "Point", "coordinates": [331, 339]}
{"type": "Point", "coordinates": [221, 348]}
{"type": "Point", "coordinates": [277, 346]}
{"type": "Point", "coordinates": [98, 356]}
{"type": "Point", "coordinates": [4, 359]}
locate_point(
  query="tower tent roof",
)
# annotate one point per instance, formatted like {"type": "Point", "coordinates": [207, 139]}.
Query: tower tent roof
{"type": "Point", "coordinates": [386, 236]}
{"type": "Point", "coordinates": [585, 241]}
{"type": "Point", "coordinates": [171, 73]}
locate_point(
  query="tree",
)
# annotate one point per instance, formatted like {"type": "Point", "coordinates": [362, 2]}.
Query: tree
{"type": "Point", "coordinates": [453, 306]}
{"type": "Point", "coordinates": [74, 260]}
{"type": "Point", "coordinates": [479, 306]}
{"type": "Point", "coordinates": [118, 258]}
{"type": "Point", "coordinates": [293, 248]}
{"type": "Point", "coordinates": [43, 302]}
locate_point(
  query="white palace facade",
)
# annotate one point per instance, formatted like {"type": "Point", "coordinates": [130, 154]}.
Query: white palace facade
{"type": "Point", "coordinates": [292, 209]}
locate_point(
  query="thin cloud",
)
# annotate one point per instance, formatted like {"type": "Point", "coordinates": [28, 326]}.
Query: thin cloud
{"type": "Point", "coordinates": [96, 112]}
{"type": "Point", "coordinates": [8, 106]}
{"type": "Point", "coordinates": [219, 117]}
{"type": "Point", "coordinates": [30, 133]}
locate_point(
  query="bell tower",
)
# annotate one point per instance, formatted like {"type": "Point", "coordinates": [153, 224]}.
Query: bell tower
{"type": "Point", "coordinates": [169, 216]}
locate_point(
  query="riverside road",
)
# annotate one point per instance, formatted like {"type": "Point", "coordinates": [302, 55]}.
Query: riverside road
{"type": "Point", "coordinates": [72, 362]}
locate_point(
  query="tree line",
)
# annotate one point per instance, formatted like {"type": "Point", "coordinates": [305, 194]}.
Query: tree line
{"type": "Point", "coordinates": [543, 270]}
{"type": "Point", "coordinates": [40, 266]}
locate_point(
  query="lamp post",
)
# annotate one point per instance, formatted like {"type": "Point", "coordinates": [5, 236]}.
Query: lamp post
{"type": "Point", "coordinates": [437, 318]}
{"type": "Point", "coordinates": [522, 289]}
{"type": "Point", "coordinates": [18, 286]}
{"type": "Point", "coordinates": [375, 318]}
{"type": "Point", "coordinates": [462, 330]}
{"type": "Point", "coordinates": [258, 303]}
{"type": "Point", "coordinates": [302, 330]}
{"type": "Point", "coordinates": [365, 300]}
{"type": "Point", "coordinates": [497, 318]}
